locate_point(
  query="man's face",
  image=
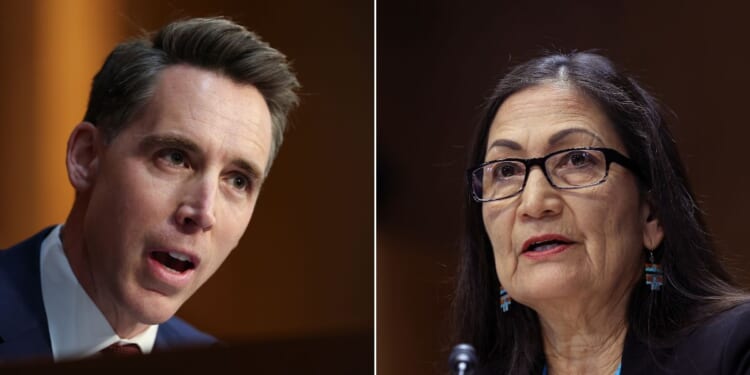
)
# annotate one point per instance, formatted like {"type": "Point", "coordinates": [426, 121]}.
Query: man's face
{"type": "Point", "coordinates": [172, 193]}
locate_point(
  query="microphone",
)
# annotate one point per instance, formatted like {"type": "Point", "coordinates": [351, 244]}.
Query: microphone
{"type": "Point", "coordinates": [463, 359]}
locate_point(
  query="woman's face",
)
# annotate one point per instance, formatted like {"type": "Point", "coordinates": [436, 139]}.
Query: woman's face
{"type": "Point", "coordinates": [591, 238]}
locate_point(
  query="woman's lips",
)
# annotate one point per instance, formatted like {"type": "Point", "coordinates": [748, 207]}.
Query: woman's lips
{"type": "Point", "coordinates": [545, 245]}
{"type": "Point", "coordinates": [547, 252]}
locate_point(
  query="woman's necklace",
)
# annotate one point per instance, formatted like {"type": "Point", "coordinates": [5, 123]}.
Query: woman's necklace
{"type": "Point", "coordinates": [617, 372]}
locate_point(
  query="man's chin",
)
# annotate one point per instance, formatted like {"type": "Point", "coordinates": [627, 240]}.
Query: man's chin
{"type": "Point", "coordinates": [154, 307]}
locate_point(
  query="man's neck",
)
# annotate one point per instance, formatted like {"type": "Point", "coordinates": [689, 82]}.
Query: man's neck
{"type": "Point", "coordinates": [77, 254]}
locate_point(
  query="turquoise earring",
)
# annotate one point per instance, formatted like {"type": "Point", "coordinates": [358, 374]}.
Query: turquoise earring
{"type": "Point", "coordinates": [654, 273]}
{"type": "Point", "coordinates": [504, 300]}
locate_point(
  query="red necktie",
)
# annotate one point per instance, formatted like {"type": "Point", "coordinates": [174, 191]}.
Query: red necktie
{"type": "Point", "coordinates": [120, 350]}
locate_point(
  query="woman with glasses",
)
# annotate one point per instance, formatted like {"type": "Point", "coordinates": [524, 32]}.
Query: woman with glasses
{"type": "Point", "coordinates": [585, 251]}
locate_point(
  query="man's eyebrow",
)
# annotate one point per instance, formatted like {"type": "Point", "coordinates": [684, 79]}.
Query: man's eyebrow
{"type": "Point", "coordinates": [557, 137]}
{"type": "Point", "coordinates": [169, 141]}
{"type": "Point", "coordinates": [173, 141]}
{"type": "Point", "coordinates": [251, 170]}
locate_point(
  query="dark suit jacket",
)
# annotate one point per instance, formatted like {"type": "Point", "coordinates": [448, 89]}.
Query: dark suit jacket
{"type": "Point", "coordinates": [23, 322]}
{"type": "Point", "coordinates": [721, 346]}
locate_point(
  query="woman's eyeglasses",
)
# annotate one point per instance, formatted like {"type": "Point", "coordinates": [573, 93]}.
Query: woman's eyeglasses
{"type": "Point", "coordinates": [565, 169]}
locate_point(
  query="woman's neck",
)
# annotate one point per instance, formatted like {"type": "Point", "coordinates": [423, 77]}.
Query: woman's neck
{"type": "Point", "coordinates": [587, 344]}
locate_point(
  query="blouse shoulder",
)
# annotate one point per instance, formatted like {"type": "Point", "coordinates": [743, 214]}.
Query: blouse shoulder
{"type": "Point", "coordinates": [720, 345]}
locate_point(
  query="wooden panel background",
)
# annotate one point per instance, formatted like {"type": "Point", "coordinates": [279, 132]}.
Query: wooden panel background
{"type": "Point", "coordinates": [305, 265]}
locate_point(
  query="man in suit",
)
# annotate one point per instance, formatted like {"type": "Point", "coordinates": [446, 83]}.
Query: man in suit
{"type": "Point", "coordinates": [179, 134]}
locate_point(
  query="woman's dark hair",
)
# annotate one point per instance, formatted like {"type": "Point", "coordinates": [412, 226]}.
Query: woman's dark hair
{"type": "Point", "coordinates": [696, 285]}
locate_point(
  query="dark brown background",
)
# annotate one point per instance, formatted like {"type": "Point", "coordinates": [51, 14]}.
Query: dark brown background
{"type": "Point", "coordinates": [304, 269]}
{"type": "Point", "coordinates": [436, 62]}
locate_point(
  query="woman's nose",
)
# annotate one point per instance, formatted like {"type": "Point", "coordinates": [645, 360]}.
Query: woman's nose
{"type": "Point", "coordinates": [539, 198]}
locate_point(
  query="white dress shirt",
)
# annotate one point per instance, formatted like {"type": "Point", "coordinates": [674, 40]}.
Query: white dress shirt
{"type": "Point", "coordinates": [77, 328]}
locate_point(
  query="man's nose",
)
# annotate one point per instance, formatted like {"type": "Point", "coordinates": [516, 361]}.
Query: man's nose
{"type": "Point", "coordinates": [196, 208]}
{"type": "Point", "coordinates": [539, 198]}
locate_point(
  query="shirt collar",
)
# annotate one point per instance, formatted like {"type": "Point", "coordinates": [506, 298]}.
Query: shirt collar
{"type": "Point", "coordinates": [77, 328]}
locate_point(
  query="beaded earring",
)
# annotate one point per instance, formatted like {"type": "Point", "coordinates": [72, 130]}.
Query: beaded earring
{"type": "Point", "coordinates": [504, 300]}
{"type": "Point", "coordinates": [654, 273]}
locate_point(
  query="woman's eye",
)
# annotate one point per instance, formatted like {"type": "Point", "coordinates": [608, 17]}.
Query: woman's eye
{"type": "Point", "coordinates": [506, 170]}
{"type": "Point", "coordinates": [580, 159]}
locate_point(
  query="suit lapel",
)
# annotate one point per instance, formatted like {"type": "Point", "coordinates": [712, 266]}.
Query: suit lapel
{"type": "Point", "coordinates": [23, 321]}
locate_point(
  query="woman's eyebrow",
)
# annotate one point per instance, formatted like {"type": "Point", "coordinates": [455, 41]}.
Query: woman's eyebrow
{"type": "Point", "coordinates": [504, 143]}
{"type": "Point", "coordinates": [559, 136]}
{"type": "Point", "coordinates": [553, 140]}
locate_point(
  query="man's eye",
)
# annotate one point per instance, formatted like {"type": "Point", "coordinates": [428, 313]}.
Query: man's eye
{"type": "Point", "coordinates": [239, 182]}
{"type": "Point", "coordinates": [175, 157]}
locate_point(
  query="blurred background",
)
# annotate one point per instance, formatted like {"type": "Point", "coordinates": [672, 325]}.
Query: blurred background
{"type": "Point", "coordinates": [438, 60]}
{"type": "Point", "coordinates": [304, 268]}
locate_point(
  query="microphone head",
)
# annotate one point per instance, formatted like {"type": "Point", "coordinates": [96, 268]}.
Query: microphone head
{"type": "Point", "coordinates": [463, 358]}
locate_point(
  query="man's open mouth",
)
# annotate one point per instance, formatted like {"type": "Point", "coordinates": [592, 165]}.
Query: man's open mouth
{"type": "Point", "coordinates": [173, 261]}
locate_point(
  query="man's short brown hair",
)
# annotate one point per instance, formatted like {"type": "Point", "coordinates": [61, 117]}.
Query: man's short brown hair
{"type": "Point", "coordinates": [126, 80]}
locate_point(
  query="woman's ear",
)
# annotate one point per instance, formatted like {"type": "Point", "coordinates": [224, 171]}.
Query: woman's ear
{"type": "Point", "coordinates": [82, 159]}
{"type": "Point", "coordinates": [653, 233]}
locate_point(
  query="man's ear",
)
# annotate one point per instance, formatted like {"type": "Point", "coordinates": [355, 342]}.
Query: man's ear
{"type": "Point", "coordinates": [84, 146]}
{"type": "Point", "coordinates": [653, 233]}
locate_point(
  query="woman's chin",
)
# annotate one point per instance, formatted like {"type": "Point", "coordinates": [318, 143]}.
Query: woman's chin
{"type": "Point", "coordinates": [545, 289]}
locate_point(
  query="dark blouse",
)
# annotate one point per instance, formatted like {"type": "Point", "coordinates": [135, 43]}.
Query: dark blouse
{"type": "Point", "coordinates": [721, 346]}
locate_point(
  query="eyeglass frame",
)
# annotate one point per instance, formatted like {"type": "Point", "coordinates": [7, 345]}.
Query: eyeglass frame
{"type": "Point", "coordinates": [610, 156]}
